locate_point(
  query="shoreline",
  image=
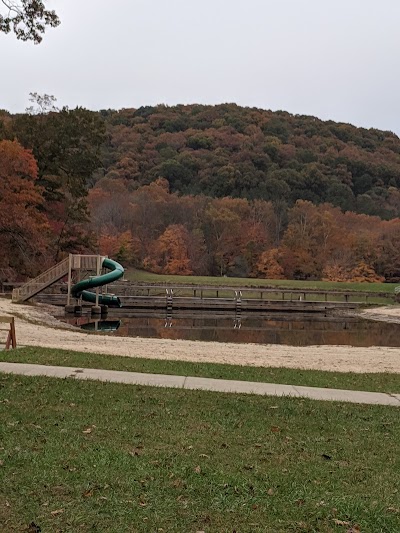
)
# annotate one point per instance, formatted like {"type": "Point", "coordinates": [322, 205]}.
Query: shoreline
{"type": "Point", "coordinates": [389, 314]}
{"type": "Point", "coordinates": [35, 326]}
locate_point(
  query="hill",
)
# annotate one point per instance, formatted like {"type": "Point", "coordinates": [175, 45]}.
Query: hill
{"type": "Point", "coordinates": [227, 150]}
{"type": "Point", "coordinates": [205, 190]}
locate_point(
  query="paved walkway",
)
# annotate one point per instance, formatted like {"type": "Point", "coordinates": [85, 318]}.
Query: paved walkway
{"type": "Point", "coordinates": [208, 384]}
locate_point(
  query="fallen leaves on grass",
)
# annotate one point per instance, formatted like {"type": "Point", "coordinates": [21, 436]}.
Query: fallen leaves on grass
{"type": "Point", "coordinates": [178, 483]}
{"type": "Point", "coordinates": [354, 529]}
{"type": "Point", "coordinates": [70, 468]}
{"type": "Point", "coordinates": [341, 522]}
{"type": "Point", "coordinates": [135, 452]}
{"type": "Point", "coordinates": [345, 523]}
{"type": "Point", "coordinates": [182, 500]}
{"type": "Point", "coordinates": [57, 512]}
{"type": "Point", "coordinates": [197, 470]}
{"type": "Point", "coordinates": [89, 430]}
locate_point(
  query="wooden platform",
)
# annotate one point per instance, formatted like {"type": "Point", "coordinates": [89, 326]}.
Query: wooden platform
{"type": "Point", "coordinates": [223, 298]}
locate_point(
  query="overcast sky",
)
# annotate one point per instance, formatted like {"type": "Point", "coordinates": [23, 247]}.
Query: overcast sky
{"type": "Point", "coordinates": [334, 59]}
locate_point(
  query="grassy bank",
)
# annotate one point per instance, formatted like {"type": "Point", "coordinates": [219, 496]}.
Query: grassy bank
{"type": "Point", "coordinates": [148, 277]}
{"type": "Point", "coordinates": [88, 456]}
{"type": "Point", "coordinates": [379, 382]}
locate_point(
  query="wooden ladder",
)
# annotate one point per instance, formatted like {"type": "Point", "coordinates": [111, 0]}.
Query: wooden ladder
{"type": "Point", "coordinates": [9, 321]}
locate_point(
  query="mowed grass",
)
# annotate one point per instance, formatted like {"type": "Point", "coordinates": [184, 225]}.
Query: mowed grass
{"type": "Point", "coordinates": [148, 277]}
{"type": "Point", "coordinates": [377, 382]}
{"type": "Point", "coordinates": [91, 456]}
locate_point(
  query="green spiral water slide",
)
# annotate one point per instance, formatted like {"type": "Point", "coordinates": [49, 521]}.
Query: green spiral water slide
{"type": "Point", "coordinates": [79, 290]}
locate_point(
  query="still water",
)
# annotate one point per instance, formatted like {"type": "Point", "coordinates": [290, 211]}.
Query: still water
{"type": "Point", "coordinates": [294, 330]}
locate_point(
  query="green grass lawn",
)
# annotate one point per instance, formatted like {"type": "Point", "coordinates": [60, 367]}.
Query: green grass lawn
{"type": "Point", "coordinates": [148, 277]}
{"type": "Point", "coordinates": [379, 382]}
{"type": "Point", "coordinates": [91, 456]}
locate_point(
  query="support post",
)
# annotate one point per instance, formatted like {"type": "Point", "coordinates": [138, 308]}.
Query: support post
{"type": "Point", "coordinates": [69, 308]}
{"type": "Point", "coordinates": [98, 274]}
{"type": "Point", "coordinates": [69, 279]}
{"type": "Point", "coordinates": [96, 309]}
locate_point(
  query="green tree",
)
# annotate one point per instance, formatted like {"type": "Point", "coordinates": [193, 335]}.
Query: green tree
{"type": "Point", "coordinates": [66, 145]}
{"type": "Point", "coordinates": [27, 19]}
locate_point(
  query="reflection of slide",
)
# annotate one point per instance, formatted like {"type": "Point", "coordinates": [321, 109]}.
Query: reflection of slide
{"type": "Point", "coordinates": [102, 325]}
{"type": "Point", "coordinates": [80, 289]}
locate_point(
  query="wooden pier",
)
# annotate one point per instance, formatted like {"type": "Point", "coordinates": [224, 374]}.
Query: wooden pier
{"type": "Point", "coordinates": [219, 299]}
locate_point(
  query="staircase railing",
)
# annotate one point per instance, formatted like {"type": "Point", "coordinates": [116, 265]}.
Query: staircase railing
{"type": "Point", "coordinates": [42, 281]}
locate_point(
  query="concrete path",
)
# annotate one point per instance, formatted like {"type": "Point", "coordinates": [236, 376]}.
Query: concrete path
{"type": "Point", "coordinates": [208, 384]}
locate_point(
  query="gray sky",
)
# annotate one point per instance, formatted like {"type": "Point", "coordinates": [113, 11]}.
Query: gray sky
{"type": "Point", "coordinates": [334, 59]}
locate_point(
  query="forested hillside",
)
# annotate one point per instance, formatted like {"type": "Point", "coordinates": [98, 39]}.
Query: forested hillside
{"type": "Point", "coordinates": [195, 189]}
{"type": "Point", "coordinates": [228, 150]}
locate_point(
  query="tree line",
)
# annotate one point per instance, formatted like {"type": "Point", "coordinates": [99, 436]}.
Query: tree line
{"type": "Point", "coordinates": [161, 231]}
{"type": "Point", "coordinates": [220, 190]}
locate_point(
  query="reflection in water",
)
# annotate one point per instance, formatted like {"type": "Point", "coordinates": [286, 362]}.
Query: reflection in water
{"type": "Point", "coordinates": [295, 330]}
{"type": "Point", "coordinates": [103, 326]}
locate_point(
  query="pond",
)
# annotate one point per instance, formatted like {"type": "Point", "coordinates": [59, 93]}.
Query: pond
{"type": "Point", "coordinates": [288, 329]}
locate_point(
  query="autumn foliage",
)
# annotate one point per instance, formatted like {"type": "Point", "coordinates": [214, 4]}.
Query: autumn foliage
{"type": "Point", "coordinates": [185, 235]}
{"type": "Point", "coordinates": [23, 227]}
{"type": "Point", "coordinates": [232, 151]}
{"type": "Point", "coordinates": [222, 191]}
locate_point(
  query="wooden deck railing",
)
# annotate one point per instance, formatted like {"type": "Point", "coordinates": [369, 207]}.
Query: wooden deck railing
{"type": "Point", "coordinates": [42, 281]}
{"type": "Point", "coordinates": [249, 293]}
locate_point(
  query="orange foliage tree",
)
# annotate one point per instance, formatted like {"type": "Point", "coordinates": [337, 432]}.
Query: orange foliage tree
{"type": "Point", "coordinates": [228, 236]}
{"type": "Point", "coordinates": [122, 247]}
{"type": "Point", "coordinates": [23, 227]}
{"type": "Point", "coordinates": [268, 264]}
{"type": "Point", "coordinates": [170, 253]}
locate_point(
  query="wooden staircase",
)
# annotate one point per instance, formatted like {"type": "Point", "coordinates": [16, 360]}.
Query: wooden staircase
{"type": "Point", "coordinates": [41, 282]}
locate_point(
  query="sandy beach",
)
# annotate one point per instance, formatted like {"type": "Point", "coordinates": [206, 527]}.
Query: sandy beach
{"type": "Point", "coordinates": [37, 327]}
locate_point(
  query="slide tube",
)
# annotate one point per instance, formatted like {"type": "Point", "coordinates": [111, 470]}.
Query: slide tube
{"type": "Point", "coordinates": [79, 290]}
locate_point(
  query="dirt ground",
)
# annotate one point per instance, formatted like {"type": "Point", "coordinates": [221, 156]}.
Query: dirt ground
{"type": "Point", "coordinates": [37, 327]}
